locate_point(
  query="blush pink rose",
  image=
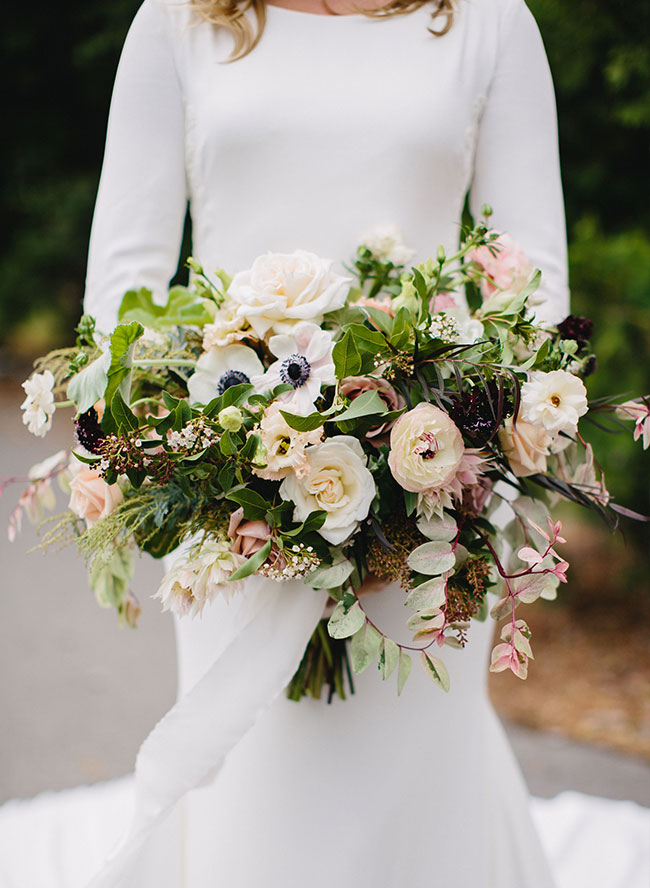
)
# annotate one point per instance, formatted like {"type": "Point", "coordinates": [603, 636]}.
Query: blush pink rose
{"type": "Point", "coordinates": [247, 537]}
{"type": "Point", "coordinates": [353, 386]}
{"type": "Point", "coordinates": [91, 498]}
{"type": "Point", "coordinates": [509, 269]}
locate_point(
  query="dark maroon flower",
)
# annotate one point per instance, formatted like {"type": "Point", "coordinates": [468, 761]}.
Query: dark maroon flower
{"type": "Point", "coordinates": [477, 415]}
{"type": "Point", "coordinates": [89, 431]}
{"type": "Point", "coordinates": [575, 327]}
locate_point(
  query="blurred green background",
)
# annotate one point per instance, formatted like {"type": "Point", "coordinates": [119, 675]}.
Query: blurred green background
{"type": "Point", "coordinates": [60, 63]}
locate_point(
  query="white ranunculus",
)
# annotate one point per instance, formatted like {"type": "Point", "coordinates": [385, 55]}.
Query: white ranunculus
{"type": "Point", "coordinates": [38, 406]}
{"type": "Point", "coordinates": [338, 483]}
{"type": "Point", "coordinates": [426, 449]}
{"type": "Point", "coordinates": [554, 400]}
{"type": "Point", "coordinates": [219, 368]}
{"type": "Point", "coordinates": [281, 289]}
{"type": "Point", "coordinates": [526, 446]}
{"type": "Point", "coordinates": [386, 243]}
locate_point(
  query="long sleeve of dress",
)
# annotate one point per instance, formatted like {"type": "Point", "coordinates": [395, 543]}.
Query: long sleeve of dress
{"type": "Point", "coordinates": [140, 209]}
{"type": "Point", "coordinates": [517, 168]}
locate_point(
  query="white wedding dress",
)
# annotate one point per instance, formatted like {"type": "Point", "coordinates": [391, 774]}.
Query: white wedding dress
{"type": "Point", "coordinates": [329, 126]}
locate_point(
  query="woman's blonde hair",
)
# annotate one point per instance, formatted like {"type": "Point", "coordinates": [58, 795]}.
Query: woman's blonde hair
{"type": "Point", "coordinates": [232, 14]}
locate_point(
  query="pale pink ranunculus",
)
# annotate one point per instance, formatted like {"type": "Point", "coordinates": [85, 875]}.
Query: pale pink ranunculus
{"type": "Point", "coordinates": [426, 449]}
{"type": "Point", "coordinates": [353, 386]}
{"type": "Point", "coordinates": [247, 537]}
{"type": "Point", "coordinates": [526, 446]}
{"type": "Point", "coordinates": [91, 498]}
{"type": "Point", "coordinates": [510, 269]}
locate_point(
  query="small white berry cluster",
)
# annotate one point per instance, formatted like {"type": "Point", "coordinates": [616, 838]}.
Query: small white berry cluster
{"type": "Point", "coordinates": [444, 327]}
{"type": "Point", "coordinates": [194, 436]}
{"type": "Point", "coordinates": [297, 561]}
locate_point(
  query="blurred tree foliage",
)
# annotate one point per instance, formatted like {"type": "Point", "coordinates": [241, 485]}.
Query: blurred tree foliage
{"type": "Point", "coordinates": [60, 63]}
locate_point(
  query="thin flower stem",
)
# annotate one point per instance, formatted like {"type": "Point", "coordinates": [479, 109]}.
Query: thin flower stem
{"type": "Point", "coordinates": [163, 362]}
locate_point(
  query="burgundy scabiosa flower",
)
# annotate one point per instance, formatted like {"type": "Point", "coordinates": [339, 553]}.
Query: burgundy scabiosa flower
{"type": "Point", "coordinates": [477, 415]}
{"type": "Point", "coordinates": [576, 328]}
{"type": "Point", "coordinates": [89, 431]}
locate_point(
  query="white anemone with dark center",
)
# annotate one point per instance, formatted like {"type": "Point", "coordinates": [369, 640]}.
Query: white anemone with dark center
{"type": "Point", "coordinates": [304, 362]}
{"type": "Point", "coordinates": [220, 368]}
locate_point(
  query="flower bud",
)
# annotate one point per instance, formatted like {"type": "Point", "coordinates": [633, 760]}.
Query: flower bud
{"type": "Point", "coordinates": [194, 265]}
{"type": "Point", "coordinates": [231, 418]}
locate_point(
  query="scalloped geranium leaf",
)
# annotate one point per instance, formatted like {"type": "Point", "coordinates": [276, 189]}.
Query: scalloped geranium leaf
{"type": "Point", "coordinates": [342, 623]}
{"type": "Point", "coordinates": [403, 671]}
{"type": "Point", "coordinates": [432, 559]}
{"type": "Point", "coordinates": [364, 647]}
{"type": "Point", "coordinates": [183, 307]}
{"type": "Point", "coordinates": [332, 576]}
{"type": "Point", "coordinates": [437, 529]}
{"type": "Point", "coordinates": [388, 657]}
{"type": "Point", "coordinates": [88, 386]}
{"type": "Point", "coordinates": [436, 669]}
{"type": "Point", "coordinates": [430, 594]}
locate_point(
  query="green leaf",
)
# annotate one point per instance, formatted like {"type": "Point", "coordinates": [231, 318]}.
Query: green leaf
{"type": "Point", "coordinates": [183, 307]}
{"type": "Point", "coordinates": [401, 328]}
{"type": "Point", "coordinates": [87, 460]}
{"type": "Point", "coordinates": [253, 563]}
{"type": "Point", "coordinates": [380, 319]}
{"type": "Point", "coordinates": [122, 414]}
{"type": "Point", "coordinates": [367, 340]}
{"type": "Point", "coordinates": [342, 624]}
{"type": "Point", "coordinates": [304, 423]}
{"type": "Point", "coordinates": [331, 577]}
{"type": "Point", "coordinates": [367, 404]}
{"type": "Point", "coordinates": [123, 340]}
{"type": "Point", "coordinates": [346, 357]}
{"type": "Point", "coordinates": [236, 395]}
{"type": "Point", "coordinates": [404, 670]}
{"type": "Point", "coordinates": [388, 657]}
{"type": "Point", "coordinates": [432, 559]}
{"type": "Point", "coordinates": [410, 502]}
{"type": "Point", "coordinates": [88, 386]}
{"type": "Point", "coordinates": [254, 505]}
{"type": "Point", "coordinates": [430, 594]}
{"type": "Point", "coordinates": [436, 669]}
{"type": "Point", "coordinates": [364, 647]}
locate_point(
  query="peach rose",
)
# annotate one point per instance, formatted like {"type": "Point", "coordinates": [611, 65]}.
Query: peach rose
{"type": "Point", "coordinates": [247, 537]}
{"type": "Point", "coordinates": [526, 446]}
{"type": "Point", "coordinates": [91, 498]}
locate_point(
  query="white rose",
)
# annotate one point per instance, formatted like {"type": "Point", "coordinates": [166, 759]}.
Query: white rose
{"type": "Point", "coordinates": [554, 400]}
{"type": "Point", "coordinates": [338, 483]}
{"type": "Point", "coordinates": [281, 289]}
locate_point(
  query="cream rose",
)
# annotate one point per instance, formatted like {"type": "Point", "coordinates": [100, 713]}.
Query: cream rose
{"type": "Point", "coordinates": [281, 289]}
{"type": "Point", "coordinates": [426, 449]}
{"type": "Point", "coordinates": [526, 447]}
{"type": "Point", "coordinates": [338, 483]}
{"type": "Point", "coordinates": [91, 498]}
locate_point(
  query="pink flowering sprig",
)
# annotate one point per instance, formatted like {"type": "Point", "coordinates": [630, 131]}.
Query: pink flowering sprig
{"type": "Point", "coordinates": [38, 496]}
{"type": "Point", "coordinates": [525, 586]}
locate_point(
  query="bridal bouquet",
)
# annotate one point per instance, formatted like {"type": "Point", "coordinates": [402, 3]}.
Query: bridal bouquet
{"type": "Point", "coordinates": [294, 422]}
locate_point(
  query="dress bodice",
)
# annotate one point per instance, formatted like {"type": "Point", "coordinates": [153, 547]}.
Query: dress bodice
{"type": "Point", "coordinates": [331, 125]}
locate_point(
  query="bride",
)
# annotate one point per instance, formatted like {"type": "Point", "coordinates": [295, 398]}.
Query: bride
{"type": "Point", "coordinates": [327, 120]}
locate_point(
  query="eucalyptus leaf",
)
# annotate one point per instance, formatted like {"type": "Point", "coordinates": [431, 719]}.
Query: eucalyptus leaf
{"type": "Point", "coordinates": [436, 669]}
{"type": "Point", "coordinates": [388, 657]}
{"type": "Point", "coordinates": [430, 594]}
{"type": "Point", "coordinates": [332, 576]}
{"type": "Point", "coordinates": [436, 529]}
{"type": "Point", "coordinates": [343, 624]}
{"type": "Point", "coordinates": [404, 670]}
{"type": "Point", "coordinates": [432, 558]}
{"type": "Point", "coordinates": [364, 647]}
